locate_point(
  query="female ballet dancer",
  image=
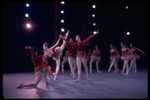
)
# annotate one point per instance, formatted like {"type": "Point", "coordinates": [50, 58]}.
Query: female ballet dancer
{"type": "Point", "coordinates": [134, 57]}
{"type": "Point", "coordinates": [38, 65]}
{"type": "Point", "coordinates": [57, 53]}
{"type": "Point", "coordinates": [126, 56]}
{"type": "Point", "coordinates": [95, 57]}
{"type": "Point", "coordinates": [81, 54]}
{"type": "Point", "coordinates": [71, 56]}
{"type": "Point", "coordinates": [114, 57]}
{"type": "Point", "coordinates": [65, 59]}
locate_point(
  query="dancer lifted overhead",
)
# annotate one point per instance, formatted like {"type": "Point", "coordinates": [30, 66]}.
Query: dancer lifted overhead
{"type": "Point", "coordinates": [95, 57]}
{"type": "Point", "coordinates": [135, 56]}
{"type": "Point", "coordinates": [114, 57]}
{"type": "Point", "coordinates": [81, 54]}
{"type": "Point", "coordinates": [38, 66]}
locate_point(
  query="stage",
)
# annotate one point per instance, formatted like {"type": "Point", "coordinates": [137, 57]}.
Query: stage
{"type": "Point", "coordinates": [101, 85]}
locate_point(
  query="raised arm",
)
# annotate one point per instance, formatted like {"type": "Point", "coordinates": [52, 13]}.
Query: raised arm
{"type": "Point", "coordinates": [31, 50]}
{"type": "Point", "coordinates": [90, 37]}
{"type": "Point", "coordinates": [56, 43]}
{"type": "Point", "coordinates": [140, 50]}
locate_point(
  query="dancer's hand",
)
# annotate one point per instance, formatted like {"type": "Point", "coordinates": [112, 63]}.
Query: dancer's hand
{"type": "Point", "coordinates": [54, 74]}
{"type": "Point", "coordinates": [60, 36]}
{"type": "Point", "coordinates": [27, 47]}
{"type": "Point", "coordinates": [97, 32]}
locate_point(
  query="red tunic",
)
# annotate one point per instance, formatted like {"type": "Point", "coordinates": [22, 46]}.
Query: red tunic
{"type": "Point", "coordinates": [125, 53]}
{"type": "Point", "coordinates": [71, 49]}
{"type": "Point", "coordinates": [36, 60]}
{"type": "Point", "coordinates": [95, 53]}
{"type": "Point", "coordinates": [113, 53]}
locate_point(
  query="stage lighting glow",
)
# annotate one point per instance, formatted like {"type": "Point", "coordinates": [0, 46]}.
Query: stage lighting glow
{"type": "Point", "coordinates": [62, 2]}
{"type": "Point", "coordinates": [62, 29]}
{"type": "Point", "coordinates": [28, 25]}
{"type": "Point", "coordinates": [126, 7]}
{"type": "Point", "coordinates": [62, 21]}
{"type": "Point", "coordinates": [26, 15]}
{"type": "Point", "coordinates": [128, 33]}
{"type": "Point", "coordinates": [27, 5]}
{"type": "Point", "coordinates": [62, 11]}
{"type": "Point", "coordinates": [94, 32]}
{"type": "Point", "coordinates": [94, 6]}
{"type": "Point", "coordinates": [94, 24]}
{"type": "Point", "coordinates": [93, 15]}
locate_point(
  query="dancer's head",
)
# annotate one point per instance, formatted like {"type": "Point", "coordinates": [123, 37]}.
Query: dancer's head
{"type": "Point", "coordinates": [70, 40]}
{"type": "Point", "coordinates": [122, 44]}
{"type": "Point", "coordinates": [131, 45]}
{"type": "Point", "coordinates": [111, 46]}
{"type": "Point", "coordinates": [96, 47]}
{"type": "Point", "coordinates": [45, 43]}
{"type": "Point", "coordinates": [78, 38]}
{"type": "Point", "coordinates": [35, 50]}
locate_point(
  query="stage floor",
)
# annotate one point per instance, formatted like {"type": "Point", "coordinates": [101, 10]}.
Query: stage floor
{"type": "Point", "coordinates": [101, 85]}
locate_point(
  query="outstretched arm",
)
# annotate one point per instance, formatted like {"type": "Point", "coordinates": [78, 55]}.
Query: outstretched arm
{"type": "Point", "coordinates": [56, 43]}
{"type": "Point", "coordinates": [140, 51]}
{"type": "Point", "coordinates": [90, 37]}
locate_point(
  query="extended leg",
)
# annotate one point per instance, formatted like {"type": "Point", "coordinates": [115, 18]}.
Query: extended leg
{"type": "Point", "coordinates": [91, 61]}
{"type": "Point", "coordinates": [86, 68]}
{"type": "Point", "coordinates": [97, 62]}
{"type": "Point", "coordinates": [112, 63]}
{"type": "Point", "coordinates": [78, 62]}
{"type": "Point", "coordinates": [57, 68]}
{"type": "Point", "coordinates": [62, 65]}
{"type": "Point", "coordinates": [71, 63]}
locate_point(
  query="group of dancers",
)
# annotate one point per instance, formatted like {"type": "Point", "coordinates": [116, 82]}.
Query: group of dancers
{"type": "Point", "coordinates": [76, 56]}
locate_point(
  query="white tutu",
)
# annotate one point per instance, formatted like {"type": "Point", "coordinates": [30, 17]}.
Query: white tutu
{"type": "Point", "coordinates": [59, 53]}
{"type": "Point", "coordinates": [115, 57]}
{"type": "Point", "coordinates": [95, 58]}
{"type": "Point", "coordinates": [135, 56]}
{"type": "Point", "coordinates": [128, 57]}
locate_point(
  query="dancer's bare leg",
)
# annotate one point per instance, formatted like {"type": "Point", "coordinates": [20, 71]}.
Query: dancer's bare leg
{"type": "Point", "coordinates": [62, 64]}
{"type": "Point", "coordinates": [112, 63]}
{"type": "Point", "coordinates": [91, 61]}
{"type": "Point", "coordinates": [97, 62]}
{"type": "Point", "coordinates": [71, 63]}
{"type": "Point", "coordinates": [78, 62]}
{"type": "Point", "coordinates": [86, 68]}
{"type": "Point", "coordinates": [57, 68]}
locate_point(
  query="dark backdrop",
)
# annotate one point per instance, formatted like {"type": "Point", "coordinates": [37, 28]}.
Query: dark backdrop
{"type": "Point", "coordinates": [112, 19]}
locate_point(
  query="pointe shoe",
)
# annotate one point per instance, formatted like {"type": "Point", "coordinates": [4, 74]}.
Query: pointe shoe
{"type": "Point", "coordinates": [73, 77]}
{"type": "Point", "coordinates": [71, 74]}
{"type": "Point", "coordinates": [55, 77]}
{"type": "Point", "coordinates": [99, 71]}
{"type": "Point", "coordinates": [126, 74]}
{"type": "Point", "coordinates": [20, 86]}
{"type": "Point", "coordinates": [77, 80]}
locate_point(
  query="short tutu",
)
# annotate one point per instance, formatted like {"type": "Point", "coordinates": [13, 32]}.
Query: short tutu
{"type": "Point", "coordinates": [115, 57]}
{"type": "Point", "coordinates": [128, 57]}
{"type": "Point", "coordinates": [135, 56]}
{"type": "Point", "coordinates": [95, 58]}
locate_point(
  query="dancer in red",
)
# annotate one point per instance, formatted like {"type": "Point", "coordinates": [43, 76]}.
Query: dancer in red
{"type": "Point", "coordinates": [126, 56]}
{"type": "Point", "coordinates": [115, 56]}
{"type": "Point", "coordinates": [71, 56]}
{"type": "Point", "coordinates": [65, 59]}
{"type": "Point", "coordinates": [134, 57]}
{"type": "Point", "coordinates": [38, 65]}
{"type": "Point", "coordinates": [81, 54]}
{"type": "Point", "coordinates": [95, 57]}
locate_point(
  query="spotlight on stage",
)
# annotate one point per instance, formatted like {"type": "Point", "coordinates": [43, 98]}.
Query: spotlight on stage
{"type": "Point", "coordinates": [94, 6]}
{"type": "Point", "coordinates": [126, 7]}
{"type": "Point", "coordinates": [94, 32]}
{"type": "Point", "coordinates": [27, 5]}
{"type": "Point", "coordinates": [128, 33]}
{"type": "Point", "coordinates": [94, 24]}
{"type": "Point", "coordinates": [62, 2]}
{"type": "Point", "coordinates": [62, 21]}
{"type": "Point", "coordinates": [26, 15]}
{"type": "Point", "coordinates": [93, 15]}
{"type": "Point", "coordinates": [62, 30]}
{"type": "Point", "coordinates": [62, 11]}
{"type": "Point", "coordinates": [28, 26]}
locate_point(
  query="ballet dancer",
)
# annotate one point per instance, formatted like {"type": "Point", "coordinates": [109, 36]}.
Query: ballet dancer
{"type": "Point", "coordinates": [95, 57]}
{"type": "Point", "coordinates": [89, 54]}
{"type": "Point", "coordinates": [81, 54]}
{"type": "Point", "coordinates": [65, 59]}
{"type": "Point", "coordinates": [126, 56]}
{"type": "Point", "coordinates": [71, 56]}
{"type": "Point", "coordinates": [134, 57]}
{"type": "Point", "coordinates": [114, 57]}
{"type": "Point", "coordinates": [57, 53]}
{"type": "Point", "coordinates": [38, 65]}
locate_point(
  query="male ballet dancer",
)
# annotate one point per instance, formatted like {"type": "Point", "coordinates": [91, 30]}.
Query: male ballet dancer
{"type": "Point", "coordinates": [81, 54]}
{"type": "Point", "coordinates": [65, 59]}
{"type": "Point", "coordinates": [95, 57]}
{"type": "Point", "coordinates": [134, 57]}
{"type": "Point", "coordinates": [38, 66]}
{"type": "Point", "coordinates": [114, 57]}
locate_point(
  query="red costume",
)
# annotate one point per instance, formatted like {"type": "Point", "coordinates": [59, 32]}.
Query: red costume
{"type": "Point", "coordinates": [36, 60]}
{"type": "Point", "coordinates": [71, 49]}
{"type": "Point", "coordinates": [97, 54]}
